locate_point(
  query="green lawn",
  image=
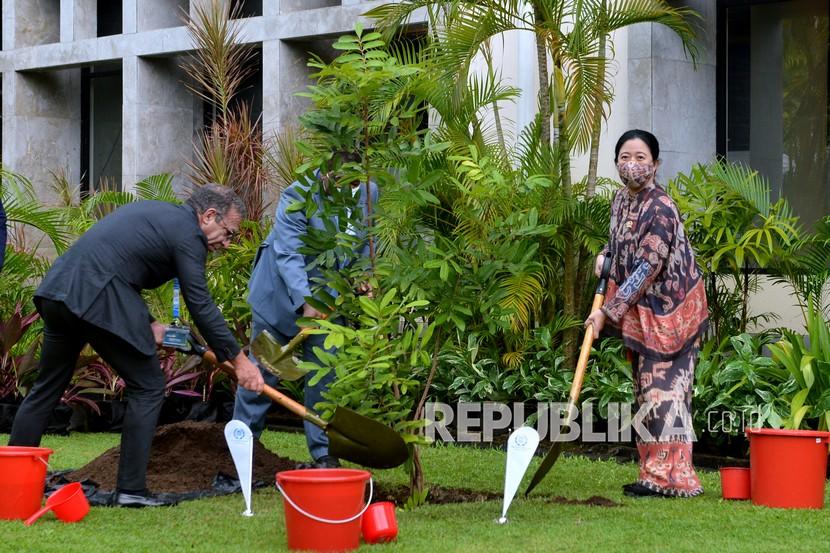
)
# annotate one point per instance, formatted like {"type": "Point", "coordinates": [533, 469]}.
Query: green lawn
{"type": "Point", "coordinates": [702, 524]}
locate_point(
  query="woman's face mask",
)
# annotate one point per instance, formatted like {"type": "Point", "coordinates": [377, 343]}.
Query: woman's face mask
{"type": "Point", "coordinates": [634, 174]}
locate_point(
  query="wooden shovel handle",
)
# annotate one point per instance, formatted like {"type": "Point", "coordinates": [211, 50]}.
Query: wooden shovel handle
{"type": "Point", "coordinates": [584, 352]}
{"type": "Point", "coordinates": [271, 393]}
{"type": "Point", "coordinates": [588, 339]}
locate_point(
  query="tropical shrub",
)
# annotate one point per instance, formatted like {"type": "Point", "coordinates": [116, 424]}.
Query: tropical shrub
{"type": "Point", "coordinates": [735, 229]}
{"type": "Point", "coordinates": [807, 361]}
{"type": "Point", "coordinates": [736, 385]}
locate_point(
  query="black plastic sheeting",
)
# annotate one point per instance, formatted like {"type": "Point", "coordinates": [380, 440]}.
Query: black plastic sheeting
{"type": "Point", "coordinates": [223, 484]}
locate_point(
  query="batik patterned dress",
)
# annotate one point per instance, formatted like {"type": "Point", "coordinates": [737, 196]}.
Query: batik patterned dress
{"type": "Point", "coordinates": [656, 299]}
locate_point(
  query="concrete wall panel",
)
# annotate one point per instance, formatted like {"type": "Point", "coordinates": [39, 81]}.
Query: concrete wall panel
{"type": "Point", "coordinates": [36, 22]}
{"type": "Point", "coordinates": [42, 126]}
{"type": "Point", "coordinates": [161, 14]}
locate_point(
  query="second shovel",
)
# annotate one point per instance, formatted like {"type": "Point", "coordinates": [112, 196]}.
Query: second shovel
{"type": "Point", "coordinates": [278, 359]}
{"type": "Point", "coordinates": [576, 386]}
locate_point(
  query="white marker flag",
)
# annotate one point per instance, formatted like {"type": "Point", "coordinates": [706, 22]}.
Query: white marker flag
{"type": "Point", "coordinates": [521, 445]}
{"type": "Point", "coordinates": [241, 444]}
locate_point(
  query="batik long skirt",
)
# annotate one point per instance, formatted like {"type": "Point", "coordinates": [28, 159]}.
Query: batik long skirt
{"type": "Point", "coordinates": [663, 390]}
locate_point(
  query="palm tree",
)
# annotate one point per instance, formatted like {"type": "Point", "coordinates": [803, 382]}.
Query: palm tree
{"type": "Point", "coordinates": [571, 35]}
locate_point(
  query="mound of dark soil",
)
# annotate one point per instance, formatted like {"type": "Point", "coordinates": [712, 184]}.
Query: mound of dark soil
{"type": "Point", "coordinates": [185, 456]}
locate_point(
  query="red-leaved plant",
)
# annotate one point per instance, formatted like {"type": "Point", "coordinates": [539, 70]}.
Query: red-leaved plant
{"type": "Point", "coordinates": [14, 368]}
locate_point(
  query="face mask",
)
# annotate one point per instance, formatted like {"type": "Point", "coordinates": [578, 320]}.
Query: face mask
{"type": "Point", "coordinates": [635, 175]}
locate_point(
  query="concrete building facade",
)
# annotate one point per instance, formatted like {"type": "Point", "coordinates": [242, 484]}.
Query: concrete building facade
{"type": "Point", "coordinates": [94, 89]}
{"type": "Point", "coordinates": [81, 96]}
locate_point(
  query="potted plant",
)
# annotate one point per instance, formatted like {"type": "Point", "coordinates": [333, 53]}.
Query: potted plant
{"type": "Point", "coordinates": [789, 464]}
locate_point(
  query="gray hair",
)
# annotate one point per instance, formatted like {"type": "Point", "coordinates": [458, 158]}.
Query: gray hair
{"type": "Point", "coordinates": [220, 198]}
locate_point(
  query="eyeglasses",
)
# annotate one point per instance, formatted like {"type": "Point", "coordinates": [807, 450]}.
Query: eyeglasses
{"type": "Point", "coordinates": [231, 235]}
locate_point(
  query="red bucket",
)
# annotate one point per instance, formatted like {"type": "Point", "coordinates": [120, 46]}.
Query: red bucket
{"type": "Point", "coordinates": [323, 507]}
{"type": "Point", "coordinates": [788, 467]}
{"type": "Point", "coordinates": [22, 479]}
{"type": "Point", "coordinates": [734, 483]}
{"type": "Point", "coordinates": [379, 524]}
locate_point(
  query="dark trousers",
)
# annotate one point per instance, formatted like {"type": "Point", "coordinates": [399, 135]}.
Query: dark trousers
{"type": "Point", "coordinates": [64, 336]}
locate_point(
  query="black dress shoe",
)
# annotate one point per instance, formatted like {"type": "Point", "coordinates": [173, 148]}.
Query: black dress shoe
{"type": "Point", "coordinates": [638, 490]}
{"type": "Point", "coordinates": [324, 462]}
{"type": "Point", "coordinates": [137, 501]}
{"type": "Point", "coordinates": [327, 462]}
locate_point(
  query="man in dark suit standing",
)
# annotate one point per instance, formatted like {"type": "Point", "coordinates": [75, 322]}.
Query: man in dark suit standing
{"type": "Point", "coordinates": [92, 294]}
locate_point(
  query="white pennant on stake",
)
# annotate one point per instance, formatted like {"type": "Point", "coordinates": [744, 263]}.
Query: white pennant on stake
{"type": "Point", "coordinates": [521, 445]}
{"type": "Point", "coordinates": [241, 444]}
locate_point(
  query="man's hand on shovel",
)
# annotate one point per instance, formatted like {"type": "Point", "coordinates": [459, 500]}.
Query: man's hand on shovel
{"type": "Point", "coordinates": [311, 313]}
{"type": "Point", "coordinates": [247, 374]}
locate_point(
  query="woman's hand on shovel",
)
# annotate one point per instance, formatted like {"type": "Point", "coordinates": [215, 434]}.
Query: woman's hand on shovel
{"type": "Point", "coordinates": [247, 374]}
{"type": "Point", "coordinates": [597, 320]}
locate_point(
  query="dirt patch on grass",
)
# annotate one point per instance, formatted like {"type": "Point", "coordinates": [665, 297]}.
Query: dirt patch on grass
{"type": "Point", "coordinates": [593, 501]}
{"type": "Point", "coordinates": [442, 496]}
{"type": "Point", "coordinates": [187, 456]}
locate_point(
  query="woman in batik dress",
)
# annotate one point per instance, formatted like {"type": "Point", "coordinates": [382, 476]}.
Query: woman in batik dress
{"type": "Point", "coordinates": [656, 300]}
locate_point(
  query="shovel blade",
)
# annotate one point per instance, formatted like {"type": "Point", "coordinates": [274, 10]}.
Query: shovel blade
{"type": "Point", "coordinates": [364, 441]}
{"type": "Point", "coordinates": [545, 467]}
{"type": "Point", "coordinates": [278, 359]}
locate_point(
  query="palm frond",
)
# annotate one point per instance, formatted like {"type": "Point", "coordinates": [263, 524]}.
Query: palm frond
{"type": "Point", "coordinates": [24, 209]}
{"type": "Point", "coordinates": [522, 294]}
{"type": "Point", "coordinates": [157, 187]}
{"type": "Point", "coordinates": [681, 20]}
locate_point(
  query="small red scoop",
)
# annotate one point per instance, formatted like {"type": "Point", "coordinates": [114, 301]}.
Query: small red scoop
{"type": "Point", "coordinates": [69, 504]}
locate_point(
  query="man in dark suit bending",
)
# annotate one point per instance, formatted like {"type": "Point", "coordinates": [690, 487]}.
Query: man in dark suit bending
{"type": "Point", "coordinates": [92, 294]}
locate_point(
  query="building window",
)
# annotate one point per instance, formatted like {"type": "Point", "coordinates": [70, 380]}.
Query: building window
{"type": "Point", "coordinates": [773, 106]}
{"type": "Point", "coordinates": [247, 8]}
{"type": "Point", "coordinates": [109, 18]}
{"type": "Point", "coordinates": [101, 99]}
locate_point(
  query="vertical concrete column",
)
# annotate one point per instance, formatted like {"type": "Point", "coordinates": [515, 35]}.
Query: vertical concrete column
{"type": "Point", "coordinates": [667, 96]}
{"type": "Point", "coordinates": [293, 78]}
{"type": "Point", "coordinates": [7, 12]}
{"type": "Point", "coordinates": [67, 31]}
{"type": "Point", "coordinates": [129, 16]}
{"type": "Point", "coordinates": [271, 88]}
{"type": "Point", "coordinates": [271, 8]}
{"type": "Point", "coordinates": [42, 126]}
{"type": "Point", "coordinates": [79, 19]}
{"type": "Point", "coordinates": [157, 120]}
{"type": "Point", "coordinates": [129, 123]}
